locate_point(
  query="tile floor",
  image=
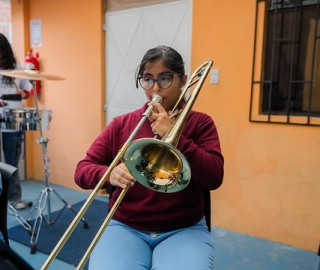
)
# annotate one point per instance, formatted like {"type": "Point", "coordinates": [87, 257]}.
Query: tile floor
{"type": "Point", "coordinates": [232, 250]}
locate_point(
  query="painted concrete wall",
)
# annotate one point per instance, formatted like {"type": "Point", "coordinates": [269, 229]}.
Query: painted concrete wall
{"type": "Point", "coordinates": [5, 19]}
{"type": "Point", "coordinates": [72, 48]}
{"type": "Point", "coordinates": [272, 184]}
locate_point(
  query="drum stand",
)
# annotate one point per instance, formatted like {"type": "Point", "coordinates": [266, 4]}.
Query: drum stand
{"type": "Point", "coordinates": [13, 212]}
{"type": "Point", "coordinates": [44, 198]}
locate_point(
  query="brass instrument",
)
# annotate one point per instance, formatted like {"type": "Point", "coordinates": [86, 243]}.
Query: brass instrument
{"type": "Point", "coordinates": [156, 164]}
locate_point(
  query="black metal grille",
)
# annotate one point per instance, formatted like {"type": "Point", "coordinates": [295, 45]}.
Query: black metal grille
{"type": "Point", "coordinates": [281, 4]}
{"type": "Point", "coordinates": [286, 73]}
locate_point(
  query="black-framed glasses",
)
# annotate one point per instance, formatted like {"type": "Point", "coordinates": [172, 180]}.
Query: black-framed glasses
{"type": "Point", "coordinates": [164, 81]}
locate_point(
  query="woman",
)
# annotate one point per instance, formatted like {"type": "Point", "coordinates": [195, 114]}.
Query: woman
{"type": "Point", "coordinates": [154, 230]}
{"type": "Point", "coordinates": [12, 139]}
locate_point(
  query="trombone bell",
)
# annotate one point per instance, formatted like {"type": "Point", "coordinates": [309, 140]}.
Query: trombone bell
{"type": "Point", "coordinates": [157, 165]}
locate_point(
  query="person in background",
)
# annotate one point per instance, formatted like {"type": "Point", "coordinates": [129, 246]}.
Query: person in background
{"type": "Point", "coordinates": [12, 139]}
{"type": "Point", "coordinates": [154, 230]}
{"type": "Point", "coordinates": [1, 235]}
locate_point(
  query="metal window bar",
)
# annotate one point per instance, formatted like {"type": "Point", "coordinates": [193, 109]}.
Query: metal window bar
{"type": "Point", "coordinates": [275, 5]}
{"type": "Point", "coordinates": [281, 4]}
{"type": "Point", "coordinates": [316, 39]}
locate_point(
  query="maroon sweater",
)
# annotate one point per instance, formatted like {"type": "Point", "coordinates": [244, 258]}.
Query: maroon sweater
{"type": "Point", "coordinates": [143, 208]}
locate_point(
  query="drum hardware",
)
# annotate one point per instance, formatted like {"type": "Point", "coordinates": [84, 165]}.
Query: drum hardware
{"type": "Point", "coordinates": [27, 118]}
{"type": "Point", "coordinates": [156, 152]}
{"type": "Point", "coordinates": [32, 119]}
{"type": "Point", "coordinates": [12, 211]}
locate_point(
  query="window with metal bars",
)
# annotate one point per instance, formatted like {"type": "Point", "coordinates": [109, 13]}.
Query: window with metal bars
{"type": "Point", "coordinates": [286, 68]}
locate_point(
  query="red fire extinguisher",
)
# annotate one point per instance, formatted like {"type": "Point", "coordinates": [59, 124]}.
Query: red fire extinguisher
{"type": "Point", "coordinates": [33, 64]}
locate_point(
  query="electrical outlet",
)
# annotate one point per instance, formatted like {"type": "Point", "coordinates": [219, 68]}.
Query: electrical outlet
{"type": "Point", "coordinates": [214, 76]}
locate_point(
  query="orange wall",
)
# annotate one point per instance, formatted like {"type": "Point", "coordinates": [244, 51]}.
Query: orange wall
{"type": "Point", "coordinates": [72, 37]}
{"type": "Point", "coordinates": [271, 187]}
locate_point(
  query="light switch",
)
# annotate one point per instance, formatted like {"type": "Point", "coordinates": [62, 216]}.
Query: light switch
{"type": "Point", "coordinates": [214, 76]}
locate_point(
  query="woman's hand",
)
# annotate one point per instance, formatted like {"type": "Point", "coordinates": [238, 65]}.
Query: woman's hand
{"type": "Point", "coordinates": [160, 121]}
{"type": "Point", "coordinates": [23, 94]}
{"type": "Point", "coordinates": [121, 177]}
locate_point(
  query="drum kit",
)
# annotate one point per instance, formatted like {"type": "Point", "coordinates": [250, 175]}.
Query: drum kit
{"type": "Point", "coordinates": [30, 119]}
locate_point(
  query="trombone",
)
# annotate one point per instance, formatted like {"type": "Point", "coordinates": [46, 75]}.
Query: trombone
{"type": "Point", "coordinates": [156, 164]}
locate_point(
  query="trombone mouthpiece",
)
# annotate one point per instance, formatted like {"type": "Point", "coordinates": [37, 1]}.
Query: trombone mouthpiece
{"type": "Point", "coordinates": [157, 98]}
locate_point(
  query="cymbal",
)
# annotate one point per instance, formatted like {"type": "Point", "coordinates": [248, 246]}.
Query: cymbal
{"type": "Point", "coordinates": [30, 75]}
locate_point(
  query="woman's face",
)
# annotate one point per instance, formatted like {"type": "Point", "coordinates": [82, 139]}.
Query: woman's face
{"type": "Point", "coordinates": [169, 95]}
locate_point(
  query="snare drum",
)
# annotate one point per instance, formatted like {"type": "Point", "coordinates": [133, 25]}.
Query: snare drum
{"type": "Point", "coordinates": [27, 119]}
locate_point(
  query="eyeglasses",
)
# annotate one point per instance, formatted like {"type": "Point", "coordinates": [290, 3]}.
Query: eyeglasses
{"type": "Point", "coordinates": [164, 81]}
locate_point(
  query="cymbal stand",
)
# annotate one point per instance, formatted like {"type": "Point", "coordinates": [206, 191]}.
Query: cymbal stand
{"type": "Point", "coordinates": [12, 211]}
{"type": "Point", "coordinates": [44, 198]}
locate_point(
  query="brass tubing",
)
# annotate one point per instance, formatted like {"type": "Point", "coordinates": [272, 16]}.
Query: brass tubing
{"type": "Point", "coordinates": [173, 135]}
{"type": "Point", "coordinates": [82, 211]}
{"type": "Point", "coordinates": [171, 138]}
{"type": "Point", "coordinates": [100, 184]}
{"type": "Point", "coordinates": [102, 228]}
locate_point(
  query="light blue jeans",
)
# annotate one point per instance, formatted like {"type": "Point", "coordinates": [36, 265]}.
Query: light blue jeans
{"type": "Point", "coordinates": [124, 248]}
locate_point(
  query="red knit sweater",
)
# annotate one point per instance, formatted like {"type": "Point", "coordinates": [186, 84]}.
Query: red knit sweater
{"type": "Point", "coordinates": [143, 208]}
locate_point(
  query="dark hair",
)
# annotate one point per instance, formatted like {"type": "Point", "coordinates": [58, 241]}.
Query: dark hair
{"type": "Point", "coordinates": [170, 57]}
{"type": "Point", "coordinates": [7, 59]}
